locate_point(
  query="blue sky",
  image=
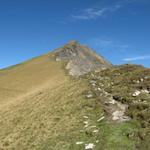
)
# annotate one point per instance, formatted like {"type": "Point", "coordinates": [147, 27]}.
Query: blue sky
{"type": "Point", "coordinates": [117, 29]}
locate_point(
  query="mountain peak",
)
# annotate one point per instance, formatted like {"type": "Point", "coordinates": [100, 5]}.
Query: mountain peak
{"type": "Point", "coordinates": [80, 59]}
{"type": "Point", "coordinates": [73, 42]}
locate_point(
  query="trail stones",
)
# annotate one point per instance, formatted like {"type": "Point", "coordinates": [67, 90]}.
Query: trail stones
{"type": "Point", "coordinates": [89, 96]}
{"type": "Point", "coordinates": [79, 143]}
{"type": "Point", "coordinates": [136, 93]}
{"type": "Point", "coordinates": [85, 117]}
{"type": "Point", "coordinates": [95, 131]}
{"type": "Point", "coordinates": [100, 119]}
{"type": "Point", "coordinates": [89, 146]}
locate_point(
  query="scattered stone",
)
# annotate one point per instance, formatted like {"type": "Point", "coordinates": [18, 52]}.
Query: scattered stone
{"type": "Point", "coordinates": [136, 81]}
{"type": "Point", "coordinates": [86, 117]}
{"type": "Point", "coordinates": [95, 131]}
{"type": "Point", "coordinates": [93, 81]}
{"type": "Point", "coordinates": [89, 96]}
{"type": "Point", "coordinates": [101, 119]}
{"type": "Point", "coordinates": [58, 59]}
{"type": "Point", "coordinates": [85, 122]}
{"type": "Point", "coordinates": [145, 91]}
{"type": "Point", "coordinates": [136, 93]}
{"type": "Point", "coordinates": [93, 84]}
{"type": "Point", "coordinates": [112, 101]}
{"type": "Point", "coordinates": [147, 77]}
{"type": "Point", "coordinates": [118, 112]}
{"type": "Point", "coordinates": [117, 115]}
{"type": "Point", "coordinates": [86, 126]}
{"type": "Point", "coordinates": [99, 89]}
{"type": "Point", "coordinates": [89, 146]}
{"type": "Point", "coordinates": [79, 143]}
{"type": "Point", "coordinates": [106, 93]}
{"type": "Point", "coordinates": [97, 141]}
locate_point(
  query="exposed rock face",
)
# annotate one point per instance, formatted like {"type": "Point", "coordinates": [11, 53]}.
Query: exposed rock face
{"type": "Point", "coordinates": [80, 59]}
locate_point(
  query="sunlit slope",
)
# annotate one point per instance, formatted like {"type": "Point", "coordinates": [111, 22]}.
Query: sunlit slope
{"type": "Point", "coordinates": [45, 119]}
{"type": "Point", "coordinates": [40, 106]}
{"type": "Point", "coordinates": [32, 75]}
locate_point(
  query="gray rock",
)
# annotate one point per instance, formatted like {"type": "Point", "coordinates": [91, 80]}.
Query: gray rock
{"type": "Point", "coordinates": [89, 96]}
{"type": "Point", "coordinates": [80, 59]}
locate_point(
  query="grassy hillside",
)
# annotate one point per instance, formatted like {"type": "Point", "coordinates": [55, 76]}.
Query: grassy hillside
{"type": "Point", "coordinates": [42, 108]}
{"type": "Point", "coordinates": [128, 85]}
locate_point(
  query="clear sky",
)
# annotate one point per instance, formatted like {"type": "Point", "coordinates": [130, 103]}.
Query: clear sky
{"type": "Point", "coordinates": [117, 29]}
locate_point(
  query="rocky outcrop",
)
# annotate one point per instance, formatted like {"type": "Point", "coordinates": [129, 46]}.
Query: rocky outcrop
{"type": "Point", "coordinates": [80, 59]}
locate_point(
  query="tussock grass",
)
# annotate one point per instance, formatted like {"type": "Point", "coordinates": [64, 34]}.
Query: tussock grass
{"type": "Point", "coordinates": [121, 82]}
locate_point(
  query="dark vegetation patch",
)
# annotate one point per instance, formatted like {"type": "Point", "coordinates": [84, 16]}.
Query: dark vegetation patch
{"type": "Point", "coordinates": [129, 84]}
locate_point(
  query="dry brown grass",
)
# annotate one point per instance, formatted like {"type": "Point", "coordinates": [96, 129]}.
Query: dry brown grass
{"type": "Point", "coordinates": [29, 76]}
{"type": "Point", "coordinates": [39, 106]}
{"type": "Point", "coordinates": [42, 108]}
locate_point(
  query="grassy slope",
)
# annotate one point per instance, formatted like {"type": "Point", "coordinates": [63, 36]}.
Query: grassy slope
{"type": "Point", "coordinates": [28, 76]}
{"type": "Point", "coordinates": [42, 108]}
{"type": "Point", "coordinates": [121, 82]}
{"type": "Point", "coordinates": [41, 118]}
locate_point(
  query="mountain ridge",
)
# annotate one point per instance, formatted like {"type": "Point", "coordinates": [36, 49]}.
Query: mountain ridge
{"type": "Point", "coordinates": [81, 59]}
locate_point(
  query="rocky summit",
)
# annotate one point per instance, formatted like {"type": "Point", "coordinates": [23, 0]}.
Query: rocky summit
{"type": "Point", "coordinates": [80, 59]}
